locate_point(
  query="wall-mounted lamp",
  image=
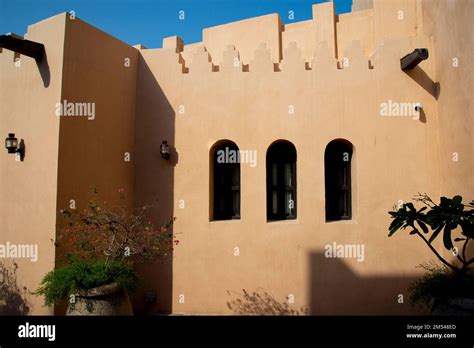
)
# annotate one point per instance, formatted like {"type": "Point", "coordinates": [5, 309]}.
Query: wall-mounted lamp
{"type": "Point", "coordinates": [11, 144]}
{"type": "Point", "coordinates": [165, 150]}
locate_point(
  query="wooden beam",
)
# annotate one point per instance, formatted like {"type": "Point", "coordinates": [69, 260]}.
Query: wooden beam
{"type": "Point", "coordinates": [24, 47]}
{"type": "Point", "coordinates": [411, 60]}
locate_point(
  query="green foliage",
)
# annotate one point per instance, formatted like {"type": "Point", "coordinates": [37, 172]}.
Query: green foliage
{"type": "Point", "coordinates": [405, 217]}
{"type": "Point", "coordinates": [82, 275]}
{"type": "Point", "coordinates": [100, 244]}
{"type": "Point", "coordinates": [113, 232]}
{"type": "Point", "coordinates": [452, 279]}
{"type": "Point", "coordinates": [440, 282]}
{"type": "Point", "coordinates": [447, 216]}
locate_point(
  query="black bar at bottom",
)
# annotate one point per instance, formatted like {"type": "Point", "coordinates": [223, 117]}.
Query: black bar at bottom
{"type": "Point", "coordinates": [411, 330]}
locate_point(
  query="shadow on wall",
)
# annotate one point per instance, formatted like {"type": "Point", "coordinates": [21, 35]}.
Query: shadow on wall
{"type": "Point", "coordinates": [336, 290]}
{"type": "Point", "coordinates": [154, 180]}
{"type": "Point", "coordinates": [261, 303]}
{"type": "Point", "coordinates": [422, 78]}
{"type": "Point", "coordinates": [43, 68]}
{"type": "Point", "coordinates": [22, 148]}
{"type": "Point", "coordinates": [12, 299]}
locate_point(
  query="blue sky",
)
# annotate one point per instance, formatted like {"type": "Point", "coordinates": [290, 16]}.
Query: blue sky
{"type": "Point", "coordinates": [148, 21]}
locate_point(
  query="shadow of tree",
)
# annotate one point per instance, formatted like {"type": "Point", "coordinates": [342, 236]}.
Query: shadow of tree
{"type": "Point", "coordinates": [261, 303]}
{"type": "Point", "coordinates": [12, 299]}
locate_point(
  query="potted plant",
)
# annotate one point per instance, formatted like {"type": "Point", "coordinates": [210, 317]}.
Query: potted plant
{"type": "Point", "coordinates": [98, 248]}
{"type": "Point", "coordinates": [446, 288]}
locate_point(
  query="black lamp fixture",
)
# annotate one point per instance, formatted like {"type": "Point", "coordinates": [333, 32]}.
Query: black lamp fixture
{"type": "Point", "coordinates": [165, 150]}
{"type": "Point", "coordinates": [11, 144]}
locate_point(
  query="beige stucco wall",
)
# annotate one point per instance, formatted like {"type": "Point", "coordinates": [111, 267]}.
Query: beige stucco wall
{"type": "Point", "coordinates": [98, 69]}
{"type": "Point", "coordinates": [194, 96]}
{"type": "Point", "coordinates": [356, 26]}
{"type": "Point", "coordinates": [449, 25]}
{"type": "Point", "coordinates": [154, 177]}
{"type": "Point", "coordinates": [66, 157]}
{"type": "Point", "coordinates": [102, 70]}
{"type": "Point", "coordinates": [302, 33]}
{"type": "Point", "coordinates": [242, 35]}
{"type": "Point", "coordinates": [394, 159]}
{"type": "Point", "coordinates": [28, 189]}
{"type": "Point", "coordinates": [395, 19]}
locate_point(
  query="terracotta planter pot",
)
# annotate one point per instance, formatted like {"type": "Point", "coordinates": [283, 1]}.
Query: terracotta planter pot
{"type": "Point", "coordinates": [110, 299]}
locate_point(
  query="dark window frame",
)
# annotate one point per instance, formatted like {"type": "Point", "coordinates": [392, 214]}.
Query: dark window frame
{"type": "Point", "coordinates": [338, 180]}
{"type": "Point", "coordinates": [225, 185]}
{"type": "Point", "coordinates": [280, 155]}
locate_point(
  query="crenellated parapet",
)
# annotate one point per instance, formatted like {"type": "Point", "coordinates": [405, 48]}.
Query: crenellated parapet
{"type": "Point", "coordinates": [329, 42]}
{"type": "Point", "coordinates": [293, 61]}
{"type": "Point", "coordinates": [231, 60]}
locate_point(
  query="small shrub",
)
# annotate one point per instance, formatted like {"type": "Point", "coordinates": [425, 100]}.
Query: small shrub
{"type": "Point", "coordinates": [440, 282]}
{"type": "Point", "coordinates": [450, 216]}
{"type": "Point", "coordinates": [85, 274]}
{"type": "Point", "coordinates": [101, 231]}
{"type": "Point", "coordinates": [100, 244]}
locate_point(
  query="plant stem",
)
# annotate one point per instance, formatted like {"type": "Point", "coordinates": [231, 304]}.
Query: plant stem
{"type": "Point", "coordinates": [464, 249]}
{"type": "Point", "coordinates": [436, 253]}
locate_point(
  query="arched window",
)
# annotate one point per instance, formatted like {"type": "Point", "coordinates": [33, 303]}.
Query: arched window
{"type": "Point", "coordinates": [281, 181]}
{"type": "Point", "coordinates": [337, 173]}
{"type": "Point", "coordinates": [225, 181]}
